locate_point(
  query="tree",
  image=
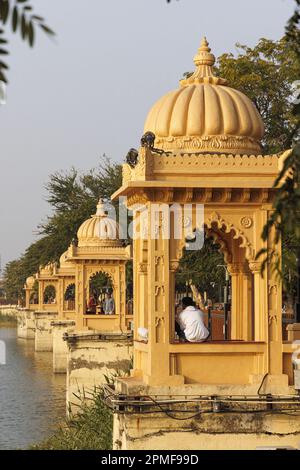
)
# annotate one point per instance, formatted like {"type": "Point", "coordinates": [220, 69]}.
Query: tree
{"type": "Point", "coordinates": [19, 14]}
{"type": "Point", "coordinates": [201, 267]}
{"type": "Point", "coordinates": [266, 74]}
{"type": "Point", "coordinates": [73, 198]}
{"type": "Point", "coordinates": [13, 276]}
{"type": "Point", "coordinates": [285, 219]}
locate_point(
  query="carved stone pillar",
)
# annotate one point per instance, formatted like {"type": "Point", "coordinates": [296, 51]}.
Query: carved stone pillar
{"type": "Point", "coordinates": [27, 298]}
{"type": "Point", "coordinates": [174, 264]}
{"type": "Point", "coordinates": [80, 306]}
{"type": "Point", "coordinates": [158, 308]}
{"type": "Point", "coordinates": [237, 306]}
{"type": "Point", "coordinates": [41, 294]}
{"type": "Point", "coordinates": [140, 272]}
{"type": "Point", "coordinates": [260, 302]}
{"type": "Point", "coordinates": [60, 297]}
{"type": "Point", "coordinates": [241, 301]}
{"type": "Point", "coordinates": [122, 297]}
{"type": "Point", "coordinates": [274, 311]}
{"type": "Point", "coordinates": [140, 283]}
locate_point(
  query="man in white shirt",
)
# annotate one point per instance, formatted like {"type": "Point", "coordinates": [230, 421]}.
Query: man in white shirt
{"type": "Point", "coordinates": [191, 322]}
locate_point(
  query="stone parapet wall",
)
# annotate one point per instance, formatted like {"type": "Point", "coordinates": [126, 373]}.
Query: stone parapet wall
{"type": "Point", "coordinates": [94, 358]}
{"type": "Point", "coordinates": [214, 431]}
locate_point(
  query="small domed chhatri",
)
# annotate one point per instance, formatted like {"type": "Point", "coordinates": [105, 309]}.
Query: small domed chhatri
{"type": "Point", "coordinates": [206, 115]}
{"type": "Point", "coordinates": [30, 281]}
{"type": "Point", "coordinates": [99, 230]}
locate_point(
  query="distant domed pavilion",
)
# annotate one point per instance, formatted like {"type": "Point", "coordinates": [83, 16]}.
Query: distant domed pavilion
{"type": "Point", "coordinates": [100, 250]}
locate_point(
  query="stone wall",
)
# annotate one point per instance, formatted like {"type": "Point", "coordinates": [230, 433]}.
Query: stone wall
{"type": "Point", "coordinates": [92, 359]}
{"type": "Point", "coordinates": [43, 330]}
{"type": "Point", "coordinates": [214, 431]}
{"type": "Point", "coordinates": [26, 324]}
{"type": "Point", "coordinates": [9, 311]}
{"type": "Point", "coordinates": [60, 347]}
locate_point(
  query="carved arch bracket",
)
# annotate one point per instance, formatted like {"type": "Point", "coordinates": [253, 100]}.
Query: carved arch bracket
{"type": "Point", "coordinates": [214, 220]}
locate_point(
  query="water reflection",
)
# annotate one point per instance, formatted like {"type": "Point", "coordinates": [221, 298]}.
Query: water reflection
{"type": "Point", "coordinates": [32, 398]}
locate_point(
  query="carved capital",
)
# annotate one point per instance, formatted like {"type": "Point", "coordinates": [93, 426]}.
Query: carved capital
{"type": "Point", "coordinates": [139, 197]}
{"type": "Point", "coordinates": [234, 268]}
{"type": "Point", "coordinates": [174, 265]}
{"type": "Point", "coordinates": [165, 196]}
{"type": "Point", "coordinates": [255, 266]}
{"type": "Point", "coordinates": [237, 268]}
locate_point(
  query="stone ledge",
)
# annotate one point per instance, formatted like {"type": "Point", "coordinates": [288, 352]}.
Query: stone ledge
{"type": "Point", "coordinates": [46, 313]}
{"type": "Point", "coordinates": [63, 323]}
{"type": "Point", "coordinates": [97, 336]}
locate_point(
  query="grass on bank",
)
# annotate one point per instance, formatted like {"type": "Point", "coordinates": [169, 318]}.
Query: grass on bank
{"type": "Point", "coordinates": [7, 320]}
{"type": "Point", "coordinates": [90, 429]}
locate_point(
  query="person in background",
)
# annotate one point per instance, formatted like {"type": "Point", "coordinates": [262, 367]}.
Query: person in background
{"type": "Point", "coordinates": [109, 304]}
{"type": "Point", "coordinates": [190, 323]}
{"type": "Point", "coordinates": [92, 305]}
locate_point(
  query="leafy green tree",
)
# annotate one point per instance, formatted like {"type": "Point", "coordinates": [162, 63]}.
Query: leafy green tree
{"type": "Point", "coordinates": [19, 14]}
{"type": "Point", "coordinates": [201, 267]}
{"type": "Point", "coordinates": [285, 220]}
{"type": "Point", "coordinates": [286, 216]}
{"type": "Point", "coordinates": [73, 198]}
{"type": "Point", "coordinates": [13, 278]}
{"type": "Point", "coordinates": [266, 74]}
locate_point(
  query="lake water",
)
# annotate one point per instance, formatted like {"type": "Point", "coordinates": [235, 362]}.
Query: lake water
{"type": "Point", "coordinates": [32, 398]}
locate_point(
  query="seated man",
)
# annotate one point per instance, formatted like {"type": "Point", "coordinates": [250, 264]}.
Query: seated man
{"type": "Point", "coordinates": [190, 322]}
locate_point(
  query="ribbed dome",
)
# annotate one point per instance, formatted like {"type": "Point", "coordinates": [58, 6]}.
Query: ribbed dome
{"type": "Point", "coordinates": [206, 115]}
{"type": "Point", "coordinates": [99, 230]}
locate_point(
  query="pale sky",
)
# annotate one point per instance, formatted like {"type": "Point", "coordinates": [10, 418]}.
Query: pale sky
{"type": "Point", "coordinates": [88, 91]}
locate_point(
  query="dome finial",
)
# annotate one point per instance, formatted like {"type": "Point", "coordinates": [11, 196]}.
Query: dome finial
{"type": "Point", "coordinates": [204, 56]}
{"type": "Point", "coordinates": [101, 212]}
{"type": "Point", "coordinates": [204, 61]}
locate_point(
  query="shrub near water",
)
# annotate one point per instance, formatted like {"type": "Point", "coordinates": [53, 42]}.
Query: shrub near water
{"type": "Point", "coordinates": [90, 429]}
